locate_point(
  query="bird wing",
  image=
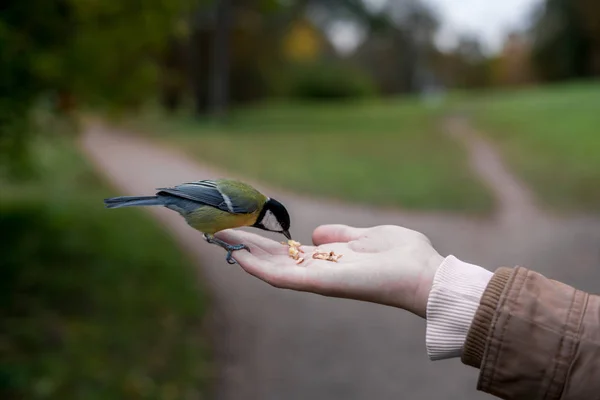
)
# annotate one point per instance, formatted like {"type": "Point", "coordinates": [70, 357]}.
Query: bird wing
{"type": "Point", "coordinates": [214, 193]}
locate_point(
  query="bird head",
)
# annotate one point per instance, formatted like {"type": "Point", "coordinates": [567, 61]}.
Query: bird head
{"type": "Point", "coordinates": [274, 218]}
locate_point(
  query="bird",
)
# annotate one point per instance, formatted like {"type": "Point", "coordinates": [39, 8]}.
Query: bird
{"type": "Point", "coordinates": [213, 205]}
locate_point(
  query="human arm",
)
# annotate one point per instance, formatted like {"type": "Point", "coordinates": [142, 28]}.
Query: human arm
{"type": "Point", "coordinates": [533, 337]}
{"type": "Point", "coordinates": [398, 267]}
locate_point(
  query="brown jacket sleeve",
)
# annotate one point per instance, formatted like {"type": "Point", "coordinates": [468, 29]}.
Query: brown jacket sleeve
{"type": "Point", "coordinates": [535, 338]}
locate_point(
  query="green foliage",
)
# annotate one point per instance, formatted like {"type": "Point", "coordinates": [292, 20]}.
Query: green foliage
{"type": "Point", "coordinates": [114, 52]}
{"type": "Point", "coordinates": [390, 153]}
{"type": "Point", "coordinates": [25, 38]}
{"type": "Point", "coordinates": [550, 137]}
{"type": "Point", "coordinates": [92, 51]}
{"type": "Point", "coordinates": [95, 304]}
{"type": "Point", "coordinates": [328, 81]}
{"type": "Point", "coordinates": [15, 128]}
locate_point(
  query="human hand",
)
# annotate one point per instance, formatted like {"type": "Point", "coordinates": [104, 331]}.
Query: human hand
{"type": "Point", "coordinates": [388, 264]}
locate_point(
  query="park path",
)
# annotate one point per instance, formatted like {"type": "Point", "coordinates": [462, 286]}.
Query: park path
{"type": "Point", "coordinates": [277, 344]}
{"type": "Point", "coordinates": [515, 202]}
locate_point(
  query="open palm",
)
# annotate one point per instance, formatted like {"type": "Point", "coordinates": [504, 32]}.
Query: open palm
{"type": "Point", "coordinates": [386, 264]}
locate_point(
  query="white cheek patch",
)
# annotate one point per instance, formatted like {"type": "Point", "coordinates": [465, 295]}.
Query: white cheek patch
{"type": "Point", "coordinates": [270, 222]}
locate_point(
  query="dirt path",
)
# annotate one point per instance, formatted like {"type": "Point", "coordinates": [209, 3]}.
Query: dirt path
{"type": "Point", "coordinates": [515, 201]}
{"type": "Point", "coordinates": [276, 344]}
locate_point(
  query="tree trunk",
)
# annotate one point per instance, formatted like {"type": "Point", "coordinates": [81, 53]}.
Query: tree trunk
{"type": "Point", "coordinates": [221, 59]}
{"type": "Point", "coordinates": [198, 59]}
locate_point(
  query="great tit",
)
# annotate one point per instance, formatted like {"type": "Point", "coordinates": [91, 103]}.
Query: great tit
{"type": "Point", "coordinates": [211, 206]}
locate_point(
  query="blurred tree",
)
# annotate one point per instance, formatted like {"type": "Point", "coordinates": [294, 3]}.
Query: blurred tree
{"type": "Point", "coordinates": [387, 59]}
{"type": "Point", "coordinates": [101, 52]}
{"type": "Point", "coordinates": [229, 61]}
{"type": "Point", "coordinates": [417, 24]}
{"type": "Point", "coordinates": [198, 62]}
{"type": "Point", "coordinates": [513, 65]}
{"type": "Point", "coordinates": [398, 41]}
{"type": "Point", "coordinates": [303, 42]}
{"type": "Point", "coordinates": [267, 37]}
{"type": "Point", "coordinates": [561, 47]}
{"type": "Point", "coordinates": [113, 55]}
{"type": "Point", "coordinates": [221, 58]}
{"type": "Point", "coordinates": [465, 67]}
{"type": "Point", "coordinates": [172, 75]}
{"type": "Point", "coordinates": [29, 43]}
{"type": "Point", "coordinates": [589, 12]}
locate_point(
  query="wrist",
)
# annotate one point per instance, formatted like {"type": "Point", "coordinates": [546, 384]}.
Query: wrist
{"type": "Point", "coordinates": [426, 280]}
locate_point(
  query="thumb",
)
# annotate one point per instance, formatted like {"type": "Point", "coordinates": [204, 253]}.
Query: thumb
{"type": "Point", "coordinates": [336, 234]}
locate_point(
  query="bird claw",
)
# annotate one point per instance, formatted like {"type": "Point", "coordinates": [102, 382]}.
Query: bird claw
{"type": "Point", "coordinates": [230, 248]}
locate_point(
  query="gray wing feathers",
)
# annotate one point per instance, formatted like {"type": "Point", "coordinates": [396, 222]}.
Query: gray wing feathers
{"type": "Point", "coordinates": [182, 206]}
{"type": "Point", "coordinates": [132, 201]}
{"type": "Point", "coordinates": [205, 192]}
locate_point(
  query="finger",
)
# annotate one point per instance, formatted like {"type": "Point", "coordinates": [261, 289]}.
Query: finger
{"type": "Point", "coordinates": [252, 240]}
{"type": "Point", "coordinates": [335, 234]}
{"type": "Point", "coordinates": [272, 272]}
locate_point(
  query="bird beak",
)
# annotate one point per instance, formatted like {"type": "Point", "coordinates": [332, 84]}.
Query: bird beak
{"type": "Point", "coordinates": [286, 233]}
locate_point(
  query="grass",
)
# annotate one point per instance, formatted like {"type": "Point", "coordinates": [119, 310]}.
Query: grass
{"type": "Point", "coordinates": [551, 137]}
{"type": "Point", "coordinates": [95, 305]}
{"type": "Point", "coordinates": [389, 153]}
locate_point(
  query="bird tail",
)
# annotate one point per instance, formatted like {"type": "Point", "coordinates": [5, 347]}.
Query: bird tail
{"type": "Point", "coordinates": [132, 201]}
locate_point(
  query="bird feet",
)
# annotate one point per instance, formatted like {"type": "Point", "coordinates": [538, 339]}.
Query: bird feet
{"type": "Point", "coordinates": [230, 248]}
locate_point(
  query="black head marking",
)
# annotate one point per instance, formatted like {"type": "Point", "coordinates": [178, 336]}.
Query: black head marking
{"type": "Point", "coordinates": [274, 217]}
